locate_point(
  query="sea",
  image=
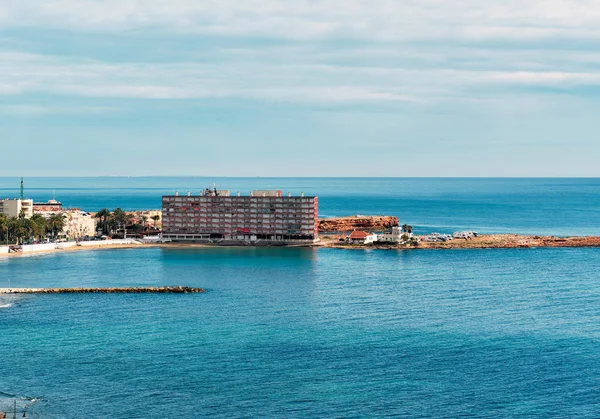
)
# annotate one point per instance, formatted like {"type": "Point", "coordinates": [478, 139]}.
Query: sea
{"type": "Point", "coordinates": [304, 333]}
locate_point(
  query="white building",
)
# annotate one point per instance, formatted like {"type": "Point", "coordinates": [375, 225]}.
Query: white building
{"type": "Point", "coordinates": [394, 236]}
{"type": "Point", "coordinates": [14, 207]}
{"type": "Point", "coordinates": [361, 237]}
{"type": "Point", "coordinates": [77, 223]}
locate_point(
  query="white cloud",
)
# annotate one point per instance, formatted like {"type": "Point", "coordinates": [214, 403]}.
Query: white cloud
{"type": "Point", "coordinates": [38, 110]}
{"type": "Point", "coordinates": [416, 52]}
{"type": "Point", "coordinates": [293, 80]}
{"type": "Point", "coordinates": [307, 19]}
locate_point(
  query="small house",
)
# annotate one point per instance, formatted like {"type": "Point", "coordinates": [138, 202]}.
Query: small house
{"type": "Point", "coordinates": [361, 237]}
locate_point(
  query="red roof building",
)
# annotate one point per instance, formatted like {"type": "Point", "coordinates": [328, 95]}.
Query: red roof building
{"type": "Point", "coordinates": [357, 235]}
{"type": "Point", "coordinates": [362, 237]}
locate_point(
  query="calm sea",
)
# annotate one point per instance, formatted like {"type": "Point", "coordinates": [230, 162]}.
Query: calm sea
{"type": "Point", "coordinates": [318, 332]}
{"type": "Point", "coordinates": [536, 206]}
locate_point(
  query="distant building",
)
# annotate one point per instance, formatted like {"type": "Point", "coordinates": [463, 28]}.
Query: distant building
{"type": "Point", "coordinates": [16, 207]}
{"type": "Point", "coordinates": [77, 224]}
{"type": "Point", "coordinates": [361, 237]}
{"type": "Point", "coordinates": [263, 217]}
{"type": "Point", "coordinates": [394, 236]}
{"type": "Point", "coordinates": [51, 205]}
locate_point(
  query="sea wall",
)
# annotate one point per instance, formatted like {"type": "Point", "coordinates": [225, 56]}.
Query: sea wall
{"type": "Point", "coordinates": [100, 243]}
{"type": "Point", "coordinates": [44, 247]}
{"type": "Point", "coordinates": [125, 290]}
{"type": "Point", "coordinates": [48, 247]}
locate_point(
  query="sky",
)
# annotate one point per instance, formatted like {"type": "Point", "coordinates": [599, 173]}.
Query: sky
{"type": "Point", "coordinates": [299, 88]}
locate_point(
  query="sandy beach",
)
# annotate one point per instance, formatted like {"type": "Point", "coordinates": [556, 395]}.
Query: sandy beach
{"type": "Point", "coordinates": [487, 241]}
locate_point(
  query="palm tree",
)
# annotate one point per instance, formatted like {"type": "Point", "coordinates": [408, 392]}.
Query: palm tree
{"type": "Point", "coordinates": [3, 228]}
{"type": "Point", "coordinates": [18, 228]}
{"type": "Point", "coordinates": [56, 223]}
{"type": "Point", "coordinates": [128, 221]}
{"type": "Point", "coordinates": [103, 215]}
{"type": "Point", "coordinates": [39, 226]}
{"type": "Point", "coordinates": [155, 218]}
{"type": "Point", "coordinates": [407, 228]}
{"type": "Point", "coordinates": [119, 217]}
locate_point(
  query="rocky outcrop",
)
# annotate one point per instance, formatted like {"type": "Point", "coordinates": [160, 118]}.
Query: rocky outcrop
{"type": "Point", "coordinates": [508, 241]}
{"type": "Point", "coordinates": [358, 222]}
{"type": "Point", "coordinates": [486, 241]}
{"type": "Point", "coordinates": [133, 290]}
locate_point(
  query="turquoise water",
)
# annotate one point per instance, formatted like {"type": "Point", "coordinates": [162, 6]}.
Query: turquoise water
{"type": "Point", "coordinates": [316, 332]}
{"type": "Point", "coordinates": [307, 333]}
{"type": "Point", "coordinates": [536, 206]}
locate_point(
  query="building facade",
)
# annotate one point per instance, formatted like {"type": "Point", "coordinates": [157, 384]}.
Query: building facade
{"type": "Point", "coordinates": [394, 236]}
{"type": "Point", "coordinates": [16, 207]}
{"type": "Point", "coordinates": [263, 217]}
{"type": "Point", "coordinates": [77, 223]}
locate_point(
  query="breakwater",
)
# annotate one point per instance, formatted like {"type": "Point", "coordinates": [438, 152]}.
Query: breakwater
{"type": "Point", "coordinates": [127, 290]}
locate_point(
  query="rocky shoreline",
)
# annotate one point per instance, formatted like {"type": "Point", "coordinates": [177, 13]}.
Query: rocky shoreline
{"type": "Point", "coordinates": [357, 222]}
{"type": "Point", "coordinates": [486, 241]}
{"type": "Point", "coordinates": [126, 290]}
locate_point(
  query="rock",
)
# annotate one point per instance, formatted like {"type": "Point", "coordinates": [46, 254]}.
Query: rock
{"type": "Point", "coordinates": [132, 290]}
{"type": "Point", "coordinates": [358, 222]}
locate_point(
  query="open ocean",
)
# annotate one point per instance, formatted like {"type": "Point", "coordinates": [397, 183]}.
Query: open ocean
{"type": "Point", "coordinates": [289, 332]}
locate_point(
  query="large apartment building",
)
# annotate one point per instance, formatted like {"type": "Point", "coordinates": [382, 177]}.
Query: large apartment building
{"type": "Point", "coordinates": [263, 217]}
{"type": "Point", "coordinates": [16, 207]}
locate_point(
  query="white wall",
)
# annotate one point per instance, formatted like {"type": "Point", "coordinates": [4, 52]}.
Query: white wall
{"type": "Point", "coordinates": [65, 245]}
{"type": "Point", "coordinates": [98, 243]}
{"type": "Point", "coordinates": [370, 239]}
{"type": "Point", "coordinates": [31, 248]}
{"type": "Point", "coordinates": [46, 247]}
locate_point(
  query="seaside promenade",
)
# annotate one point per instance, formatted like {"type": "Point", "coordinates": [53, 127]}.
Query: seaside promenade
{"type": "Point", "coordinates": [485, 241]}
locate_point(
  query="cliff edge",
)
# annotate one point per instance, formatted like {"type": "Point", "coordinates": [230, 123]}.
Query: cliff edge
{"type": "Point", "coordinates": [357, 222]}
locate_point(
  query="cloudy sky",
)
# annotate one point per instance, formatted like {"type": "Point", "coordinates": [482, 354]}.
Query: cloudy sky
{"type": "Point", "coordinates": [300, 87]}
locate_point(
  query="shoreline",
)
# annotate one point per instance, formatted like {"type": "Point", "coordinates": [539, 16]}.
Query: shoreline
{"type": "Point", "coordinates": [487, 241]}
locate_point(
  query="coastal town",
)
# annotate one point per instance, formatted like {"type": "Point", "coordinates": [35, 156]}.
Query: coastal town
{"type": "Point", "coordinates": [216, 217]}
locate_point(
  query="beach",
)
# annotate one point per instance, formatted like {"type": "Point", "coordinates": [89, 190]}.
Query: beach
{"type": "Point", "coordinates": [486, 241]}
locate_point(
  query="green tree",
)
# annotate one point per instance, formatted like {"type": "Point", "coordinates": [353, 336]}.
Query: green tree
{"type": "Point", "coordinates": [39, 226]}
{"type": "Point", "coordinates": [103, 215]}
{"type": "Point", "coordinates": [3, 229]}
{"type": "Point", "coordinates": [119, 217]}
{"type": "Point", "coordinates": [55, 224]}
{"type": "Point", "coordinates": [18, 229]}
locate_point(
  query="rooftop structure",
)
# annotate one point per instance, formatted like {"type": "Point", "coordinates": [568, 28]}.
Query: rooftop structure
{"type": "Point", "coordinates": [17, 207]}
{"type": "Point", "coordinates": [263, 217]}
{"type": "Point", "coordinates": [51, 205]}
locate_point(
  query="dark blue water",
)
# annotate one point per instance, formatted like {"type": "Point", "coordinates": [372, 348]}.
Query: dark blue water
{"type": "Point", "coordinates": [307, 333]}
{"type": "Point", "coordinates": [535, 206]}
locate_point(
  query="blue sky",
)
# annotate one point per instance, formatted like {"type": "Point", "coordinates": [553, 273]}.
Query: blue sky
{"type": "Point", "coordinates": [299, 88]}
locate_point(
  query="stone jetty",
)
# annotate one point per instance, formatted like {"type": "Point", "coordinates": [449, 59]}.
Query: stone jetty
{"type": "Point", "coordinates": [127, 290]}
